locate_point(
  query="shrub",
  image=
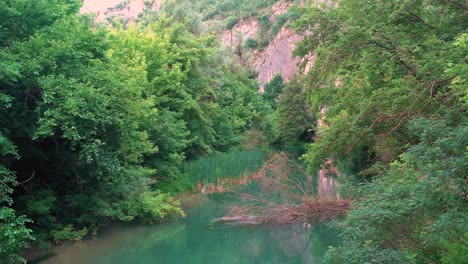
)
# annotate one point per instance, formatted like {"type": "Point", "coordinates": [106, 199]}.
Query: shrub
{"type": "Point", "coordinates": [68, 233]}
{"type": "Point", "coordinates": [231, 22]}
{"type": "Point", "coordinates": [251, 43]}
{"type": "Point", "coordinates": [14, 236]}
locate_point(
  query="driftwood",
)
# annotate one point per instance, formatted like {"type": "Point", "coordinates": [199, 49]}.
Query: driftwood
{"type": "Point", "coordinates": [261, 211]}
{"type": "Point", "coordinates": [287, 196]}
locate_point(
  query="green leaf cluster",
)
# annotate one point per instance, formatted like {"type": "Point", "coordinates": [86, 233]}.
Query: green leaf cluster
{"type": "Point", "coordinates": [416, 212]}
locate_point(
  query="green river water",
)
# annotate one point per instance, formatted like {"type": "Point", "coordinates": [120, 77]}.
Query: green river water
{"type": "Point", "coordinates": [196, 239]}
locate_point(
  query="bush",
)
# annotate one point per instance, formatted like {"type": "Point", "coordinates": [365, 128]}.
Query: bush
{"type": "Point", "coordinates": [264, 22]}
{"type": "Point", "coordinates": [251, 43]}
{"type": "Point", "coordinates": [14, 236]}
{"type": "Point", "coordinates": [231, 22]}
{"type": "Point", "coordinates": [179, 184]}
{"type": "Point", "coordinates": [154, 206]}
{"type": "Point", "coordinates": [280, 21]}
{"type": "Point", "coordinates": [68, 233]}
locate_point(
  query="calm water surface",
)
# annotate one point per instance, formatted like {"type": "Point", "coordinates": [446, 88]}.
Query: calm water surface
{"type": "Point", "coordinates": [196, 239]}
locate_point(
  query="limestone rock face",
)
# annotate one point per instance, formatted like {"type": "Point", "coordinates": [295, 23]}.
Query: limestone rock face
{"type": "Point", "coordinates": [242, 31]}
{"type": "Point", "coordinates": [123, 8]}
{"type": "Point", "coordinates": [277, 58]}
{"type": "Point", "coordinates": [278, 9]}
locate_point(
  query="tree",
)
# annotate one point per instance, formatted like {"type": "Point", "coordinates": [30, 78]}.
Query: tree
{"type": "Point", "coordinates": [94, 120]}
{"type": "Point", "coordinates": [251, 43]}
{"type": "Point", "coordinates": [415, 213]}
{"type": "Point", "coordinates": [384, 79]}
{"type": "Point", "coordinates": [79, 121]}
{"type": "Point", "coordinates": [14, 235]}
{"type": "Point", "coordinates": [273, 89]}
{"type": "Point", "coordinates": [390, 76]}
{"type": "Point", "coordinates": [295, 119]}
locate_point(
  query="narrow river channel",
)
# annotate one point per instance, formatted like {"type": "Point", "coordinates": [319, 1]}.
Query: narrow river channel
{"type": "Point", "coordinates": [196, 239]}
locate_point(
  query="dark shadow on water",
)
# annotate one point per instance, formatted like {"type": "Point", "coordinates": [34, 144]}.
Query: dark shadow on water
{"type": "Point", "coordinates": [42, 257]}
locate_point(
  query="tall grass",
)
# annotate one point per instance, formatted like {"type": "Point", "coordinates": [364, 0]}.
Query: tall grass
{"type": "Point", "coordinates": [234, 164]}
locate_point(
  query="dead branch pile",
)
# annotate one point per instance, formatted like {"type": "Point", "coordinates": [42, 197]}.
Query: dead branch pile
{"type": "Point", "coordinates": [286, 196]}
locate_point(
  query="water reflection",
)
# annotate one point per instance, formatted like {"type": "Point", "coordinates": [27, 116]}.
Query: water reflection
{"type": "Point", "coordinates": [196, 240]}
{"type": "Point", "coordinates": [328, 182]}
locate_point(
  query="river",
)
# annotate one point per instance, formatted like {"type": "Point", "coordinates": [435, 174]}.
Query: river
{"type": "Point", "coordinates": [196, 239]}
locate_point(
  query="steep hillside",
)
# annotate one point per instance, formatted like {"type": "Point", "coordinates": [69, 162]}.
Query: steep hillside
{"type": "Point", "coordinates": [270, 57]}
{"type": "Point", "coordinates": [277, 58]}
{"type": "Point", "coordinates": [258, 38]}
{"type": "Point", "coordinates": [121, 8]}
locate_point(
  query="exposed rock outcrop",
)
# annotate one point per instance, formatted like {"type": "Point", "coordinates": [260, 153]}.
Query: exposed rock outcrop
{"type": "Point", "coordinates": [278, 9]}
{"type": "Point", "coordinates": [123, 8]}
{"type": "Point", "coordinates": [277, 58]}
{"type": "Point", "coordinates": [243, 30]}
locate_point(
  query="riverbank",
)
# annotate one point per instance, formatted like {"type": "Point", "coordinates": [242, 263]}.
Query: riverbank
{"type": "Point", "coordinates": [196, 239]}
{"type": "Point", "coordinates": [203, 212]}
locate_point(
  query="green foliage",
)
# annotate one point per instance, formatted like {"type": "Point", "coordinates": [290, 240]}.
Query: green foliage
{"type": "Point", "coordinates": [372, 83]}
{"type": "Point", "coordinates": [154, 206]}
{"type": "Point", "coordinates": [80, 131]}
{"type": "Point", "coordinates": [273, 89]}
{"type": "Point", "coordinates": [41, 203]}
{"type": "Point", "coordinates": [94, 121]}
{"type": "Point", "coordinates": [7, 179]}
{"type": "Point", "coordinates": [458, 72]}
{"type": "Point", "coordinates": [14, 236]}
{"type": "Point", "coordinates": [147, 53]}
{"type": "Point", "coordinates": [240, 8]}
{"type": "Point", "coordinates": [225, 14]}
{"type": "Point", "coordinates": [280, 21]}
{"type": "Point", "coordinates": [271, 25]}
{"type": "Point", "coordinates": [21, 18]}
{"type": "Point", "coordinates": [233, 164]}
{"type": "Point", "coordinates": [456, 251]}
{"type": "Point", "coordinates": [182, 183]}
{"type": "Point", "coordinates": [68, 233]}
{"type": "Point", "coordinates": [231, 22]}
{"type": "Point", "coordinates": [251, 43]}
{"type": "Point", "coordinates": [264, 22]}
{"type": "Point", "coordinates": [416, 212]}
{"type": "Point", "coordinates": [181, 11]}
{"type": "Point", "coordinates": [294, 119]}
{"type": "Point", "coordinates": [243, 110]}
{"type": "Point", "coordinates": [389, 88]}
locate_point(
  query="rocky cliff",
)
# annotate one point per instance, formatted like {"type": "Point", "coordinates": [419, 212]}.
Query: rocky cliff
{"type": "Point", "coordinates": [275, 58]}
{"type": "Point", "coordinates": [122, 8]}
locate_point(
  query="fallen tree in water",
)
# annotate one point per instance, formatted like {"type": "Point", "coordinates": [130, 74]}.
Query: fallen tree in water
{"type": "Point", "coordinates": [286, 196]}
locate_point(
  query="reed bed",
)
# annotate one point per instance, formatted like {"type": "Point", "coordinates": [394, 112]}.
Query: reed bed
{"type": "Point", "coordinates": [231, 165]}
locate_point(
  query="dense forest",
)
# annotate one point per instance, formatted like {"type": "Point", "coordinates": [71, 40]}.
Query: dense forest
{"type": "Point", "coordinates": [100, 121]}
